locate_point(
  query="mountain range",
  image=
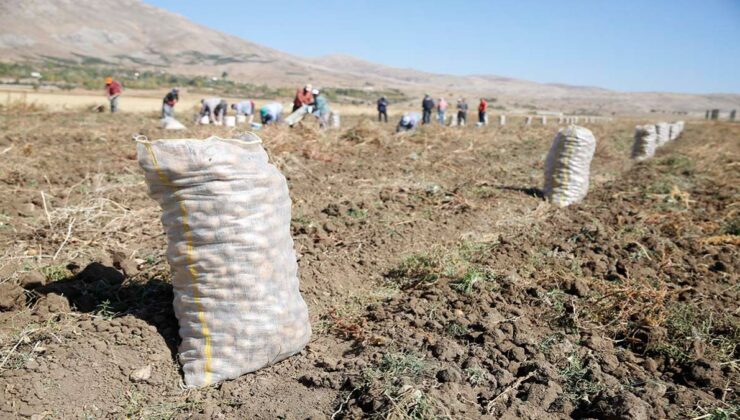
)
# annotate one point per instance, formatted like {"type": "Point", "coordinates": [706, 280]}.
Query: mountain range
{"type": "Point", "coordinates": [133, 34]}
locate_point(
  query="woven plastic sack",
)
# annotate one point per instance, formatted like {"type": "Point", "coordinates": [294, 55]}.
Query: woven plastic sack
{"type": "Point", "coordinates": [335, 119]}
{"type": "Point", "coordinates": [170, 123]}
{"type": "Point", "coordinates": [298, 115]}
{"type": "Point", "coordinates": [645, 142]}
{"type": "Point", "coordinates": [568, 164]}
{"type": "Point", "coordinates": [675, 130]}
{"type": "Point", "coordinates": [226, 212]}
{"type": "Point", "coordinates": [662, 130]}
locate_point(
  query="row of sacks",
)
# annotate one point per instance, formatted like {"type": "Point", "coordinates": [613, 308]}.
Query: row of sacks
{"type": "Point", "coordinates": [651, 136]}
{"type": "Point", "coordinates": [568, 163]}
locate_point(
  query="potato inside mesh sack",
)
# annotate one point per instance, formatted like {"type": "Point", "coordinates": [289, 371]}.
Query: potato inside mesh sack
{"type": "Point", "coordinates": [675, 130]}
{"type": "Point", "coordinates": [226, 212]}
{"type": "Point", "coordinates": [663, 131]}
{"type": "Point", "coordinates": [568, 164]}
{"type": "Point", "coordinates": [645, 142]}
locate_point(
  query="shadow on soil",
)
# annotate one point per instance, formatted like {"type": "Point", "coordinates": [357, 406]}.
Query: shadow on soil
{"type": "Point", "coordinates": [530, 191]}
{"type": "Point", "coordinates": [105, 291]}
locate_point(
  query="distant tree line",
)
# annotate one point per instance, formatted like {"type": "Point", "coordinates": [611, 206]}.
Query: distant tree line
{"type": "Point", "coordinates": [69, 74]}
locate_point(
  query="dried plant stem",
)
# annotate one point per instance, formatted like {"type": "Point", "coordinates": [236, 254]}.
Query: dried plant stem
{"type": "Point", "coordinates": [66, 238]}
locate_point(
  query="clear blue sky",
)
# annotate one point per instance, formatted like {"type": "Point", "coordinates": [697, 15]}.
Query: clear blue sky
{"type": "Point", "coordinates": [630, 45]}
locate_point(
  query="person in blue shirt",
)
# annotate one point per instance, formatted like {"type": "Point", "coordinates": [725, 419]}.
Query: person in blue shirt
{"type": "Point", "coordinates": [321, 108]}
{"type": "Point", "coordinates": [382, 109]}
{"type": "Point", "coordinates": [271, 113]}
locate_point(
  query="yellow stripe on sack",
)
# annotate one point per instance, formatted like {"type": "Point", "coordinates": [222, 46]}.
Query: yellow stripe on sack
{"type": "Point", "coordinates": [568, 149]}
{"type": "Point", "coordinates": [191, 265]}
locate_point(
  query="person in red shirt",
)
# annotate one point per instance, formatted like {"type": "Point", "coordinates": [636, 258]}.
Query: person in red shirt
{"type": "Point", "coordinates": [482, 108]}
{"type": "Point", "coordinates": [303, 97]}
{"type": "Point", "coordinates": [113, 89]}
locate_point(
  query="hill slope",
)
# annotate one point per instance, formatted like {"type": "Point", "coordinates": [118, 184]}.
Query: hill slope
{"type": "Point", "coordinates": [145, 36]}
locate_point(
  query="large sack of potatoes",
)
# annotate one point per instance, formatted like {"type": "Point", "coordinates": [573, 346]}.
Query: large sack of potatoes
{"type": "Point", "coordinates": [568, 165]}
{"type": "Point", "coordinates": [645, 142]}
{"type": "Point", "coordinates": [226, 212]}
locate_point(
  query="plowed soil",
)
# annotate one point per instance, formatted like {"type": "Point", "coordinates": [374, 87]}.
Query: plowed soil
{"type": "Point", "coordinates": [440, 284]}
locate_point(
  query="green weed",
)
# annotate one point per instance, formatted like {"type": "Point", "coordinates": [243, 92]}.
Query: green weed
{"type": "Point", "coordinates": [678, 164]}
{"type": "Point", "coordinates": [416, 269]}
{"type": "Point", "coordinates": [578, 383]}
{"type": "Point", "coordinates": [476, 375]}
{"type": "Point", "coordinates": [357, 213]}
{"type": "Point", "coordinates": [398, 377]}
{"type": "Point", "coordinates": [456, 329]}
{"type": "Point", "coordinates": [466, 284]}
{"type": "Point", "coordinates": [547, 342]}
{"type": "Point", "coordinates": [55, 272]}
{"type": "Point", "coordinates": [105, 310]}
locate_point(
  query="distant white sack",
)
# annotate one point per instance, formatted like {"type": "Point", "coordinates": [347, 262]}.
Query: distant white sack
{"type": "Point", "coordinates": [645, 142]}
{"type": "Point", "coordinates": [662, 130]}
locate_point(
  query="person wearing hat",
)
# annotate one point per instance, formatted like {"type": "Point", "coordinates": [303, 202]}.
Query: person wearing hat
{"type": "Point", "coordinates": [321, 108]}
{"type": "Point", "coordinates": [303, 97]}
{"type": "Point", "coordinates": [215, 108]}
{"type": "Point", "coordinates": [168, 103]}
{"type": "Point", "coordinates": [113, 89]}
{"type": "Point", "coordinates": [427, 105]}
{"type": "Point", "coordinates": [408, 122]}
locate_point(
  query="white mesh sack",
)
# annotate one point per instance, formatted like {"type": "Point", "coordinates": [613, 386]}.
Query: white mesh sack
{"type": "Point", "coordinates": [675, 131]}
{"type": "Point", "coordinates": [226, 212]}
{"type": "Point", "coordinates": [568, 164]}
{"type": "Point", "coordinates": [335, 119]}
{"type": "Point", "coordinates": [645, 142]}
{"type": "Point", "coordinates": [662, 130]}
{"type": "Point", "coordinates": [170, 123]}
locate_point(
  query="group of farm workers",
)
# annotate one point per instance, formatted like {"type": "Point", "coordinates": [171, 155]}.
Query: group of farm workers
{"type": "Point", "coordinates": [307, 100]}
{"type": "Point", "coordinates": [411, 120]}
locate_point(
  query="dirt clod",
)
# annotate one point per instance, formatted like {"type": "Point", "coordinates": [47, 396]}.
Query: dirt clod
{"type": "Point", "coordinates": [141, 374]}
{"type": "Point", "coordinates": [32, 280]}
{"type": "Point", "coordinates": [11, 296]}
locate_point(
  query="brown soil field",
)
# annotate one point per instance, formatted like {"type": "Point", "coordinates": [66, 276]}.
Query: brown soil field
{"type": "Point", "coordinates": [439, 283]}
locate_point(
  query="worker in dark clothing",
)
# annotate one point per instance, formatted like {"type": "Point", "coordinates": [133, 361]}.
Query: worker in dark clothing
{"type": "Point", "coordinates": [382, 109]}
{"type": "Point", "coordinates": [168, 103]}
{"type": "Point", "coordinates": [462, 111]}
{"type": "Point", "coordinates": [427, 106]}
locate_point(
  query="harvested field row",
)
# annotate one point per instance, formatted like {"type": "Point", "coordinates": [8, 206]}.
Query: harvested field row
{"type": "Point", "coordinates": [439, 283]}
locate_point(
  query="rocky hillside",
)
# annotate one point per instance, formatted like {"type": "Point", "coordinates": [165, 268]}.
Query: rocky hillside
{"type": "Point", "coordinates": [144, 36]}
